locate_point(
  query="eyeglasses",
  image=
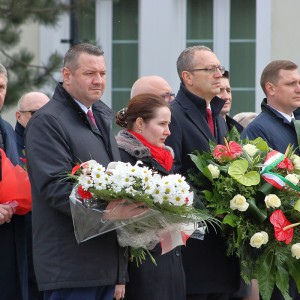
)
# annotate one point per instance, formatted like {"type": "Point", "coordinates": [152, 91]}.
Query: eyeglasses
{"type": "Point", "coordinates": [29, 111]}
{"type": "Point", "coordinates": [168, 96]}
{"type": "Point", "coordinates": [212, 70]}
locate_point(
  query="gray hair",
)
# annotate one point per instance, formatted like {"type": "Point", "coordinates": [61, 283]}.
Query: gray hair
{"type": "Point", "coordinates": [71, 57]}
{"type": "Point", "coordinates": [3, 71]}
{"type": "Point", "coordinates": [185, 60]}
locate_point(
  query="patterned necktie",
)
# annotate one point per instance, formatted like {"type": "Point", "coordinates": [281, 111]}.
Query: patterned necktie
{"type": "Point", "coordinates": [210, 121]}
{"type": "Point", "coordinates": [91, 116]}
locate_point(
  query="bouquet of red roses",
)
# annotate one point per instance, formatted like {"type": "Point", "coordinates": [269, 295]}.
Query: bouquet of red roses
{"type": "Point", "coordinates": [254, 191]}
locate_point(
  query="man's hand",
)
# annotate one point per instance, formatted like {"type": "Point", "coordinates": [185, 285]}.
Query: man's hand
{"type": "Point", "coordinates": [123, 209]}
{"type": "Point", "coordinates": [119, 291]}
{"type": "Point", "coordinates": [6, 212]}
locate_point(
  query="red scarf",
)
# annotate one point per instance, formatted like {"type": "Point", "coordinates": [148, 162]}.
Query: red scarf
{"type": "Point", "coordinates": [161, 155]}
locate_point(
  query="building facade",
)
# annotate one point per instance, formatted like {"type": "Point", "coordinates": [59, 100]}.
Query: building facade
{"type": "Point", "coordinates": [145, 37]}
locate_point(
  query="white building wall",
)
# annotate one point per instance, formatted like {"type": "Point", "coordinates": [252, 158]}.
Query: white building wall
{"type": "Point", "coordinates": [285, 39]}
{"type": "Point", "coordinates": [162, 37]}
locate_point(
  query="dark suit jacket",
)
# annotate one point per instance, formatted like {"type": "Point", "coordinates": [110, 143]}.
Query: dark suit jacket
{"type": "Point", "coordinates": [207, 268]}
{"type": "Point", "coordinates": [58, 137]}
{"type": "Point", "coordinates": [13, 260]}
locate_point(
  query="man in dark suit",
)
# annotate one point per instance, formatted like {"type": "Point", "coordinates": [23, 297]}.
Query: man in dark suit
{"type": "Point", "coordinates": [196, 120]}
{"type": "Point", "coordinates": [28, 104]}
{"type": "Point", "coordinates": [13, 261]}
{"type": "Point", "coordinates": [226, 95]}
{"type": "Point", "coordinates": [280, 81]}
{"type": "Point", "coordinates": [75, 126]}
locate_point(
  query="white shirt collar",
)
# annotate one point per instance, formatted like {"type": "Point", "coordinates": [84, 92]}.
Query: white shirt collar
{"type": "Point", "coordinates": [288, 117]}
{"type": "Point", "coordinates": [82, 106]}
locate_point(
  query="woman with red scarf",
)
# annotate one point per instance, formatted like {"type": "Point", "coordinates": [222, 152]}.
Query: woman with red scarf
{"type": "Point", "coordinates": [147, 120]}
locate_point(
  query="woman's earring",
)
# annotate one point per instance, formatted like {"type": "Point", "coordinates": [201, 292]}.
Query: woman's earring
{"type": "Point", "coordinates": [140, 131]}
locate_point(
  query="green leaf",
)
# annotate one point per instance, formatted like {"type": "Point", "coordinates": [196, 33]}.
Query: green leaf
{"type": "Point", "coordinates": [261, 144]}
{"type": "Point", "coordinates": [198, 161]}
{"type": "Point", "coordinates": [266, 274]}
{"type": "Point", "coordinates": [257, 213]}
{"type": "Point", "coordinates": [231, 220]}
{"type": "Point", "coordinates": [294, 267]}
{"type": "Point", "coordinates": [208, 195]}
{"type": "Point", "coordinates": [282, 282]}
{"type": "Point", "coordinates": [238, 169]}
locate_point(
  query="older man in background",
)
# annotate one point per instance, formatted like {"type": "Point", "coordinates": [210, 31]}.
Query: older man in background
{"type": "Point", "coordinates": [28, 104]}
{"type": "Point", "coordinates": [153, 85]}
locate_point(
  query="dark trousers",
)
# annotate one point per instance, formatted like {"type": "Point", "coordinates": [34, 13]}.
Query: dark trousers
{"type": "Point", "coordinates": [92, 293]}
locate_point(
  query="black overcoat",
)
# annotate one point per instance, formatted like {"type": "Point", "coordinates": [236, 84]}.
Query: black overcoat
{"type": "Point", "coordinates": [58, 137]}
{"type": "Point", "coordinates": [207, 268]}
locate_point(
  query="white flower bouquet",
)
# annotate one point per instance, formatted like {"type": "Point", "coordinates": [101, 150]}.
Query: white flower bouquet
{"type": "Point", "coordinates": [144, 207]}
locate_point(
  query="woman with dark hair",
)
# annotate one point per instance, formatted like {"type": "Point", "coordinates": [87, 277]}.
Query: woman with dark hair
{"type": "Point", "coordinates": [147, 120]}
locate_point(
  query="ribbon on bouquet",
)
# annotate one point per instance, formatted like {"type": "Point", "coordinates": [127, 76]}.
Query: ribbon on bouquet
{"type": "Point", "coordinates": [170, 239]}
{"type": "Point", "coordinates": [276, 179]}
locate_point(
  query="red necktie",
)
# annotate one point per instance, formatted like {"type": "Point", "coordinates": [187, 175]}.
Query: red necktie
{"type": "Point", "coordinates": [91, 116]}
{"type": "Point", "coordinates": [210, 121]}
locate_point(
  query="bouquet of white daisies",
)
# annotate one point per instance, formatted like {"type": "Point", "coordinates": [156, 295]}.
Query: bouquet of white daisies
{"type": "Point", "coordinates": [144, 207]}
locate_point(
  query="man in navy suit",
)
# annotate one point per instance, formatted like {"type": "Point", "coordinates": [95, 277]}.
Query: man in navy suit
{"type": "Point", "coordinates": [210, 274]}
{"type": "Point", "coordinates": [280, 81]}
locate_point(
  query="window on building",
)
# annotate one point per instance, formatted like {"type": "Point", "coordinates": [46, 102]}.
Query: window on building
{"type": "Point", "coordinates": [242, 55]}
{"type": "Point", "coordinates": [242, 44]}
{"type": "Point", "coordinates": [200, 23]}
{"type": "Point", "coordinates": [125, 51]}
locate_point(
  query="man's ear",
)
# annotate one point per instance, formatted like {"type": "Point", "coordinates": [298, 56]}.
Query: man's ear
{"type": "Point", "coordinates": [18, 115]}
{"type": "Point", "coordinates": [270, 88]}
{"type": "Point", "coordinates": [66, 74]}
{"type": "Point", "coordinates": [187, 77]}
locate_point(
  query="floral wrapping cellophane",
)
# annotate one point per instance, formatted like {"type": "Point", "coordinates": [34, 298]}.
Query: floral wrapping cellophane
{"type": "Point", "coordinates": [164, 204]}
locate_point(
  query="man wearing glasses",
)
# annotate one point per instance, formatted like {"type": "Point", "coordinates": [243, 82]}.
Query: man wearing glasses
{"type": "Point", "coordinates": [196, 120]}
{"type": "Point", "coordinates": [28, 104]}
{"type": "Point", "coordinates": [155, 85]}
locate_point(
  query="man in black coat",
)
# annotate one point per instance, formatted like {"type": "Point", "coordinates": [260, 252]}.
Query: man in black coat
{"type": "Point", "coordinates": [280, 81]}
{"type": "Point", "coordinates": [210, 274]}
{"type": "Point", "coordinates": [226, 95]}
{"type": "Point", "coordinates": [28, 104]}
{"type": "Point", "coordinates": [60, 135]}
{"type": "Point", "coordinates": [13, 257]}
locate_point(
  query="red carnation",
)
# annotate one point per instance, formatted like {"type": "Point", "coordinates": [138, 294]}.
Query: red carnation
{"type": "Point", "coordinates": [286, 164]}
{"type": "Point", "coordinates": [84, 194]}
